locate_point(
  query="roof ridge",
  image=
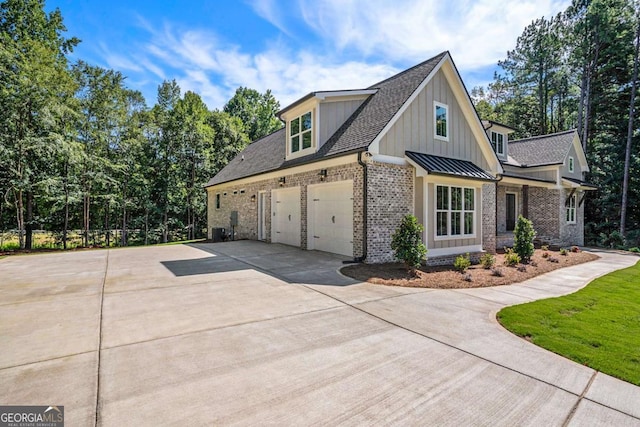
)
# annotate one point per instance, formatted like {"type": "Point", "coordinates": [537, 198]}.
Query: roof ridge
{"type": "Point", "coordinates": [374, 86]}
{"type": "Point", "coordinates": [543, 136]}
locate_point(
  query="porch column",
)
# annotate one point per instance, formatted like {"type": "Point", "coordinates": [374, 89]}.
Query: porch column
{"type": "Point", "coordinates": [525, 201]}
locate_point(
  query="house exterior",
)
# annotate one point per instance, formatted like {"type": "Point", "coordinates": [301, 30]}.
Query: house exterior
{"type": "Point", "coordinates": [348, 165]}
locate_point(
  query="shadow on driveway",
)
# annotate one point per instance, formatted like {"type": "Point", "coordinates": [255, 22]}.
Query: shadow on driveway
{"type": "Point", "coordinates": [286, 263]}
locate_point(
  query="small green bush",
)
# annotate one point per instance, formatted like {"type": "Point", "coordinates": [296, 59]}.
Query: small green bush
{"type": "Point", "coordinates": [511, 258]}
{"type": "Point", "coordinates": [523, 236]}
{"type": "Point", "coordinates": [544, 247]}
{"type": "Point", "coordinates": [462, 262]}
{"type": "Point", "coordinates": [487, 260]}
{"type": "Point", "coordinates": [407, 244]}
{"type": "Point", "coordinates": [634, 249]}
{"type": "Point", "coordinates": [615, 240]}
{"type": "Point", "coordinates": [564, 252]}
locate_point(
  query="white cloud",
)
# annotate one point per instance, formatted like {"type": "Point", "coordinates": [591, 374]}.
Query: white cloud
{"type": "Point", "coordinates": [478, 33]}
{"type": "Point", "coordinates": [202, 60]}
{"type": "Point", "coordinates": [271, 11]}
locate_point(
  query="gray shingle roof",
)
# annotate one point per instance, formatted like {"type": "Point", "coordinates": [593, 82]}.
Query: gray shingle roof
{"type": "Point", "coordinates": [542, 150]}
{"type": "Point", "coordinates": [364, 125]}
{"type": "Point", "coordinates": [445, 166]}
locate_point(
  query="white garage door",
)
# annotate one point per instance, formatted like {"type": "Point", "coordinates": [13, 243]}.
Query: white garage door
{"type": "Point", "coordinates": [285, 216]}
{"type": "Point", "coordinates": [330, 208]}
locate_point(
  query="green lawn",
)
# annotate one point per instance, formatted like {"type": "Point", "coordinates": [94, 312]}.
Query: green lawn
{"type": "Point", "coordinates": [598, 326]}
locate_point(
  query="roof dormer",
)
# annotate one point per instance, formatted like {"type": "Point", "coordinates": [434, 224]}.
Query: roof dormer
{"type": "Point", "coordinates": [499, 137]}
{"type": "Point", "coordinates": [314, 118]}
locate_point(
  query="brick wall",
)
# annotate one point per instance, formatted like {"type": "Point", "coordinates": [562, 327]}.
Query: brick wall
{"type": "Point", "coordinates": [390, 198]}
{"type": "Point", "coordinates": [489, 217]}
{"type": "Point", "coordinates": [543, 211]}
{"type": "Point", "coordinates": [248, 210]}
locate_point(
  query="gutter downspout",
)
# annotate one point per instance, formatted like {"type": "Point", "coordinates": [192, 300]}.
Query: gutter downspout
{"type": "Point", "coordinates": [499, 178]}
{"type": "Point", "coordinates": [365, 176]}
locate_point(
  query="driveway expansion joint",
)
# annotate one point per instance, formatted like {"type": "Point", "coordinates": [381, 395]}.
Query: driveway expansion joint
{"type": "Point", "coordinates": [100, 320]}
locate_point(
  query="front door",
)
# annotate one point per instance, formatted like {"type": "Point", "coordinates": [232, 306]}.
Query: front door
{"type": "Point", "coordinates": [511, 211]}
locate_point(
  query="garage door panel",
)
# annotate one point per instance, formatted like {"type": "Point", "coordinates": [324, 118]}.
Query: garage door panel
{"type": "Point", "coordinates": [286, 216]}
{"type": "Point", "coordinates": [331, 217]}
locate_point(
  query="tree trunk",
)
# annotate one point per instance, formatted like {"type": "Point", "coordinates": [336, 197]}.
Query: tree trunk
{"type": "Point", "coordinates": [28, 243]}
{"type": "Point", "coordinates": [146, 226]}
{"type": "Point", "coordinates": [123, 235]}
{"type": "Point", "coordinates": [66, 206]}
{"type": "Point", "coordinates": [20, 217]}
{"type": "Point", "coordinates": [627, 153]}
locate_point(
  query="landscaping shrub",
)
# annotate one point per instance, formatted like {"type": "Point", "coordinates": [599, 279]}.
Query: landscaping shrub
{"type": "Point", "coordinates": [544, 247]}
{"type": "Point", "coordinates": [407, 244]}
{"type": "Point", "coordinates": [511, 258]}
{"type": "Point", "coordinates": [545, 254]}
{"type": "Point", "coordinates": [462, 262]}
{"type": "Point", "coordinates": [575, 249]}
{"type": "Point", "coordinates": [634, 249]}
{"type": "Point", "coordinates": [523, 236]}
{"type": "Point", "coordinates": [615, 240]}
{"type": "Point", "coordinates": [487, 260]}
{"type": "Point", "coordinates": [564, 252]}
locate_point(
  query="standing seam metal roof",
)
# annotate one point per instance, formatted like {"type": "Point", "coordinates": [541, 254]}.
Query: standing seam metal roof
{"type": "Point", "coordinates": [446, 166]}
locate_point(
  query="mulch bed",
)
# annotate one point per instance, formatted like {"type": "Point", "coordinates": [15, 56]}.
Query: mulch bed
{"type": "Point", "coordinates": [445, 277]}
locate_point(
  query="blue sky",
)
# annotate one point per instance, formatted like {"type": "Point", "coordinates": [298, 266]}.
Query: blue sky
{"type": "Point", "coordinates": [292, 47]}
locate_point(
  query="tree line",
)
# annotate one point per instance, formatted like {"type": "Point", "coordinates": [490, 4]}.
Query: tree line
{"type": "Point", "coordinates": [80, 150]}
{"type": "Point", "coordinates": [579, 69]}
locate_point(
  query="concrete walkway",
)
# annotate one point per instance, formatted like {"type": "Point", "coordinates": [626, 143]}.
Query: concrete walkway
{"type": "Point", "coordinates": [252, 333]}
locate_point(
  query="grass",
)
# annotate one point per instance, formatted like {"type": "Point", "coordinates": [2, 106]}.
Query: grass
{"type": "Point", "coordinates": [598, 326]}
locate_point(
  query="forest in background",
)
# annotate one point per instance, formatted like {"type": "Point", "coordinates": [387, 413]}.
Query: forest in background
{"type": "Point", "coordinates": [578, 69]}
{"type": "Point", "coordinates": [80, 151]}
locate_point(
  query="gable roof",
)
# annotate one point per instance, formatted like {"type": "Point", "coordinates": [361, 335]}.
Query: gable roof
{"type": "Point", "coordinates": [542, 150]}
{"type": "Point", "coordinates": [437, 165]}
{"type": "Point", "coordinates": [360, 129]}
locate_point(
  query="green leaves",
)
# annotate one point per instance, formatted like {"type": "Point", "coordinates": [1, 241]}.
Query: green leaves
{"type": "Point", "coordinates": [523, 236]}
{"type": "Point", "coordinates": [407, 244]}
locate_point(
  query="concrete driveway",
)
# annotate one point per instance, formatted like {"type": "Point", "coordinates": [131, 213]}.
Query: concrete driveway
{"type": "Point", "coordinates": [253, 333]}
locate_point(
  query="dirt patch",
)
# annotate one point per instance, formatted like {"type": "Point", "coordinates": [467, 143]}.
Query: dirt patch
{"type": "Point", "coordinates": [445, 277]}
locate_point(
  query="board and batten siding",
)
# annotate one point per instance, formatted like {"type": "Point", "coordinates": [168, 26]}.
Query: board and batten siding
{"type": "Point", "coordinates": [414, 129]}
{"type": "Point", "coordinates": [333, 115]}
{"type": "Point", "coordinates": [577, 169]}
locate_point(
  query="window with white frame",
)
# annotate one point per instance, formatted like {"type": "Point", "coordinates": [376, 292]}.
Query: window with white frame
{"type": "Point", "coordinates": [571, 210]}
{"type": "Point", "coordinates": [300, 130]}
{"type": "Point", "coordinates": [441, 121]}
{"type": "Point", "coordinates": [571, 164]}
{"type": "Point", "coordinates": [497, 141]}
{"type": "Point", "coordinates": [455, 211]}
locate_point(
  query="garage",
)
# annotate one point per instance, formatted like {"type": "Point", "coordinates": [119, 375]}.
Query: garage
{"type": "Point", "coordinates": [285, 214]}
{"type": "Point", "coordinates": [330, 209]}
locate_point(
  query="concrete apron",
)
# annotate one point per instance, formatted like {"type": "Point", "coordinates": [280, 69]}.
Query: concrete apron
{"type": "Point", "coordinates": [248, 333]}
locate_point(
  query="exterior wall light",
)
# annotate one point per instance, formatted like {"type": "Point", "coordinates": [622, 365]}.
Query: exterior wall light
{"type": "Point", "coordinates": [323, 174]}
{"type": "Point", "coordinates": [253, 197]}
{"type": "Point", "coordinates": [282, 181]}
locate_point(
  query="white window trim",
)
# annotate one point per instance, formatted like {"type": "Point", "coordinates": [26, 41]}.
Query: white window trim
{"type": "Point", "coordinates": [571, 164]}
{"type": "Point", "coordinates": [302, 151]}
{"type": "Point", "coordinates": [499, 153]}
{"type": "Point", "coordinates": [437, 104]}
{"type": "Point", "coordinates": [436, 210]}
{"type": "Point", "coordinates": [571, 209]}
